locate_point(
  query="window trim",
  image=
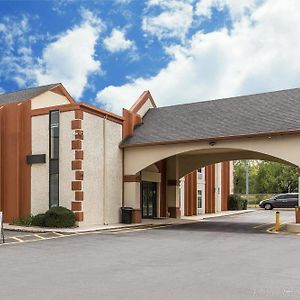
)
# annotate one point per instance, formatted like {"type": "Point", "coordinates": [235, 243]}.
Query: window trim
{"type": "Point", "coordinates": [50, 170]}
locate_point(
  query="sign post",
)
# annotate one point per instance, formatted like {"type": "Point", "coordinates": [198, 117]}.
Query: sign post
{"type": "Point", "coordinates": [1, 227]}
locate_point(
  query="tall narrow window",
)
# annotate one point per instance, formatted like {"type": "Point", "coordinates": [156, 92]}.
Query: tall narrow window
{"type": "Point", "coordinates": [54, 158]}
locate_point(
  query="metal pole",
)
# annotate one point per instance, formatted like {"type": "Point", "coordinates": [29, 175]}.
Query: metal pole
{"type": "Point", "coordinates": [247, 178]}
{"type": "Point", "coordinates": [277, 224]}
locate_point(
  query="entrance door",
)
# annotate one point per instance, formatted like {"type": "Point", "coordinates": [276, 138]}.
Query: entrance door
{"type": "Point", "coordinates": [148, 199]}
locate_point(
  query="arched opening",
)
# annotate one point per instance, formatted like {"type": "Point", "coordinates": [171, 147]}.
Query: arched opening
{"type": "Point", "coordinates": [164, 174]}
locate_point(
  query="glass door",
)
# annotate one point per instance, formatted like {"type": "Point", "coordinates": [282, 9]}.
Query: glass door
{"type": "Point", "coordinates": [148, 199]}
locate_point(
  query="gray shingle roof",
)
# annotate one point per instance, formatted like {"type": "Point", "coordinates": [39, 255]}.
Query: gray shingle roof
{"type": "Point", "coordinates": [24, 94]}
{"type": "Point", "coordinates": [244, 115]}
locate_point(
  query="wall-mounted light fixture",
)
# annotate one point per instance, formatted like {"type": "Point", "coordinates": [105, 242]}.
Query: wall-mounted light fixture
{"type": "Point", "coordinates": [212, 143]}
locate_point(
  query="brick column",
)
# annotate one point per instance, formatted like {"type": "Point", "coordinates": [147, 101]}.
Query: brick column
{"type": "Point", "coordinates": [77, 166]}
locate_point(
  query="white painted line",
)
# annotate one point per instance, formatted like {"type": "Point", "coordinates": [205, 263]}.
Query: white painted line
{"type": "Point", "coordinates": [17, 239]}
{"type": "Point", "coordinates": [59, 234]}
{"type": "Point", "coordinates": [40, 237]}
{"type": "Point", "coordinates": [261, 225]}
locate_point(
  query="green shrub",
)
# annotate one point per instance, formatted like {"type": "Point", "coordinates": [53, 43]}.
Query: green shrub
{"type": "Point", "coordinates": [236, 202]}
{"type": "Point", "coordinates": [23, 221]}
{"type": "Point", "coordinates": [39, 220]}
{"type": "Point", "coordinates": [59, 217]}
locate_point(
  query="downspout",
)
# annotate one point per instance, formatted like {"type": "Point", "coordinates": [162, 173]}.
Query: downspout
{"type": "Point", "coordinates": [104, 169]}
{"type": "Point", "coordinates": [123, 200]}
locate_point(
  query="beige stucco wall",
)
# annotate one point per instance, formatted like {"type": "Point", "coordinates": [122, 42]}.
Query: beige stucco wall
{"type": "Point", "coordinates": [143, 110]}
{"type": "Point", "coordinates": [40, 172]}
{"type": "Point", "coordinates": [100, 158]}
{"type": "Point", "coordinates": [132, 194]}
{"type": "Point", "coordinates": [113, 172]}
{"type": "Point", "coordinates": [93, 169]}
{"type": "Point", "coordinates": [151, 176]}
{"type": "Point", "coordinates": [48, 99]}
{"type": "Point", "coordinates": [284, 148]}
{"type": "Point", "coordinates": [66, 155]}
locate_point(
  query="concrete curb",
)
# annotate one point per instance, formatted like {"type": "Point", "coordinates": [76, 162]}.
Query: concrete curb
{"type": "Point", "coordinates": [166, 222]}
{"type": "Point", "coordinates": [293, 227]}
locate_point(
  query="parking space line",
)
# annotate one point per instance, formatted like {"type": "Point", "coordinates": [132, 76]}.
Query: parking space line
{"type": "Point", "coordinates": [261, 225]}
{"type": "Point", "coordinates": [59, 234]}
{"type": "Point", "coordinates": [40, 237]}
{"type": "Point", "coordinates": [17, 239]}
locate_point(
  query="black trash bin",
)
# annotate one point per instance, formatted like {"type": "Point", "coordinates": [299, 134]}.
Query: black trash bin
{"type": "Point", "coordinates": [126, 213]}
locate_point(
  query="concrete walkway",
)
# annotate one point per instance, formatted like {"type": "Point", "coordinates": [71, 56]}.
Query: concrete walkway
{"type": "Point", "coordinates": [145, 222]}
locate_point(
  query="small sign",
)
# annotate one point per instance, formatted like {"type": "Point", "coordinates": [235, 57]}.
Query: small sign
{"type": "Point", "coordinates": [36, 159]}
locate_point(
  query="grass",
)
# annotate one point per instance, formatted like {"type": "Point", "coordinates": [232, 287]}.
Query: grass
{"type": "Point", "coordinates": [23, 221]}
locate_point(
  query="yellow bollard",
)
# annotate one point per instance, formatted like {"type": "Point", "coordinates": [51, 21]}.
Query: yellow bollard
{"type": "Point", "coordinates": [277, 224]}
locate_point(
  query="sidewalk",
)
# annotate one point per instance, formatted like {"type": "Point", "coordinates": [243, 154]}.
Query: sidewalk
{"type": "Point", "coordinates": [145, 223]}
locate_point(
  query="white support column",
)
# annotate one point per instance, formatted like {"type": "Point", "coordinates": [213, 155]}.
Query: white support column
{"type": "Point", "coordinates": [132, 194]}
{"type": "Point", "coordinates": [172, 190]}
{"type": "Point", "coordinates": [298, 186]}
{"type": "Point", "coordinates": [298, 190]}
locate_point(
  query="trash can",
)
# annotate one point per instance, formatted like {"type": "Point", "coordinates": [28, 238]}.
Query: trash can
{"type": "Point", "coordinates": [126, 213]}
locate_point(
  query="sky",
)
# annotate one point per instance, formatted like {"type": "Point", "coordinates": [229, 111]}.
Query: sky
{"type": "Point", "coordinates": [107, 52]}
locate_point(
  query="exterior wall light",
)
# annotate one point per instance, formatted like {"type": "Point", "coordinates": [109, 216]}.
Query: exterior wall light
{"type": "Point", "coordinates": [212, 143]}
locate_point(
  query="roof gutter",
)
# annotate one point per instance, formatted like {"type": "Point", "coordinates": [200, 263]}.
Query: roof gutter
{"type": "Point", "coordinates": [215, 139]}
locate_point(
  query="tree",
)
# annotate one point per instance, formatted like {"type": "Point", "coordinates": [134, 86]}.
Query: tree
{"type": "Point", "coordinates": [276, 178]}
{"type": "Point", "coordinates": [265, 177]}
{"type": "Point", "coordinates": [240, 176]}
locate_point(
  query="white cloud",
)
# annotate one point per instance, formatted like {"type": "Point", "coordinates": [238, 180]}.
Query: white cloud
{"type": "Point", "coordinates": [236, 7]}
{"type": "Point", "coordinates": [70, 59]}
{"type": "Point", "coordinates": [260, 53]}
{"type": "Point", "coordinates": [16, 41]}
{"type": "Point", "coordinates": [117, 42]}
{"type": "Point", "coordinates": [173, 21]}
{"type": "Point", "coordinates": [122, 1]}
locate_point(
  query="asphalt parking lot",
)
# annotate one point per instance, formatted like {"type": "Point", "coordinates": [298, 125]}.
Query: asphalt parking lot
{"type": "Point", "coordinates": [230, 257]}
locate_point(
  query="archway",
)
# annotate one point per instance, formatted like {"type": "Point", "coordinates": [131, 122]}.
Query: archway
{"type": "Point", "coordinates": [188, 157]}
{"type": "Point", "coordinates": [180, 138]}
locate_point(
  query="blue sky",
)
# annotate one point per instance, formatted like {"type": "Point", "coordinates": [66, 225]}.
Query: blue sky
{"type": "Point", "coordinates": [107, 52]}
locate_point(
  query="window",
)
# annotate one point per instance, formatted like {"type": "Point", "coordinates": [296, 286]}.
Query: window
{"type": "Point", "coordinates": [199, 199]}
{"type": "Point", "coordinates": [54, 158]}
{"type": "Point", "coordinates": [199, 174]}
{"type": "Point", "coordinates": [290, 196]}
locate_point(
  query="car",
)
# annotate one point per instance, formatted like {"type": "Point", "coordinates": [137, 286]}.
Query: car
{"type": "Point", "coordinates": [289, 200]}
